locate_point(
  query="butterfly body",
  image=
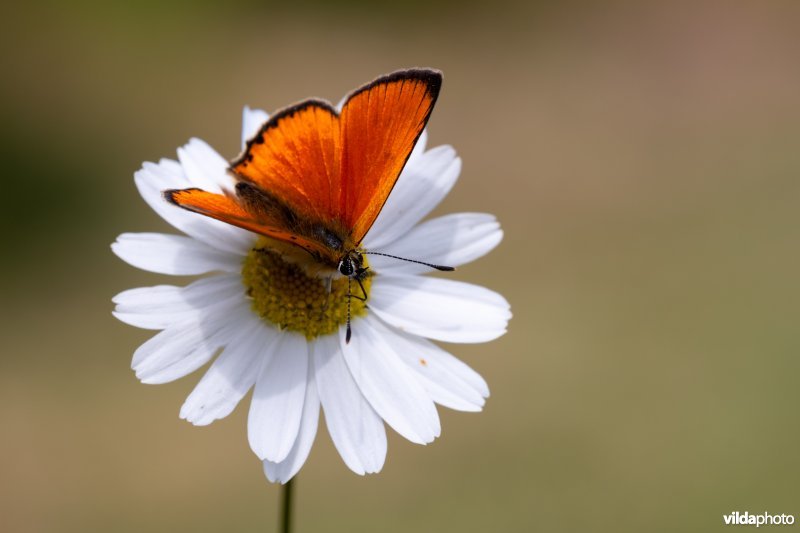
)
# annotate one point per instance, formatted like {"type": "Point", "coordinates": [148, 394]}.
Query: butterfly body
{"type": "Point", "coordinates": [314, 179]}
{"type": "Point", "coordinates": [332, 237]}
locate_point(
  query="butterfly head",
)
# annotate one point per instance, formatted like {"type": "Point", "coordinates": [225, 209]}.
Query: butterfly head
{"type": "Point", "coordinates": [351, 265]}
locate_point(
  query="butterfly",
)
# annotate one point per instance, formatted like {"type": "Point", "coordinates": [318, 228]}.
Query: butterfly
{"type": "Point", "coordinates": [316, 179]}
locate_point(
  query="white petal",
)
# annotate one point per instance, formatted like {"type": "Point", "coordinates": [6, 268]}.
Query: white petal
{"type": "Point", "coordinates": [277, 405]}
{"type": "Point", "coordinates": [252, 120]}
{"type": "Point", "coordinates": [388, 385]}
{"type": "Point", "coordinates": [420, 188]}
{"type": "Point", "coordinates": [447, 380]}
{"type": "Point", "coordinates": [286, 469]}
{"type": "Point", "coordinates": [204, 167]}
{"type": "Point", "coordinates": [356, 430]}
{"type": "Point", "coordinates": [184, 347]}
{"type": "Point", "coordinates": [159, 307]}
{"type": "Point", "coordinates": [173, 170]}
{"type": "Point", "coordinates": [451, 240]}
{"type": "Point", "coordinates": [456, 367]}
{"type": "Point", "coordinates": [152, 180]}
{"type": "Point", "coordinates": [231, 375]}
{"type": "Point", "coordinates": [166, 174]}
{"type": "Point", "coordinates": [440, 309]}
{"type": "Point", "coordinates": [172, 254]}
{"type": "Point", "coordinates": [419, 149]}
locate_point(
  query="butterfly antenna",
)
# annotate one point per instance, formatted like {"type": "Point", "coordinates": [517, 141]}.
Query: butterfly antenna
{"type": "Point", "coordinates": [349, 331]}
{"type": "Point", "coordinates": [437, 267]}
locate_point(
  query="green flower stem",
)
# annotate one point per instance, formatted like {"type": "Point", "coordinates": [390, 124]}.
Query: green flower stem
{"type": "Point", "coordinates": [286, 512]}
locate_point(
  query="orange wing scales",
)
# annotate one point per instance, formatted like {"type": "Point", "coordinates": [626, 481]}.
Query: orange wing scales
{"type": "Point", "coordinates": [381, 123]}
{"type": "Point", "coordinates": [228, 210]}
{"type": "Point", "coordinates": [325, 177]}
{"type": "Point", "coordinates": [295, 157]}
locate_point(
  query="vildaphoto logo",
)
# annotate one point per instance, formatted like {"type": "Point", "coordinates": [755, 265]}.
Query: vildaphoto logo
{"type": "Point", "coordinates": [746, 519]}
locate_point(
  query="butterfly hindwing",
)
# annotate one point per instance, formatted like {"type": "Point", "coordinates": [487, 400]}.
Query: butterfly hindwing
{"type": "Point", "coordinates": [268, 223]}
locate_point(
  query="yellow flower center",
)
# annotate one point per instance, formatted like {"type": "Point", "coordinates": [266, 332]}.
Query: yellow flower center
{"type": "Point", "coordinates": [285, 295]}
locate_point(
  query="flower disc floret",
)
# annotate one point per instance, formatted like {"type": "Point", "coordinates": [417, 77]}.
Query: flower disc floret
{"type": "Point", "coordinates": [287, 296]}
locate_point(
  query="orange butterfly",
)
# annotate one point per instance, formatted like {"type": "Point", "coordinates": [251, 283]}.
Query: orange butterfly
{"type": "Point", "coordinates": [316, 178]}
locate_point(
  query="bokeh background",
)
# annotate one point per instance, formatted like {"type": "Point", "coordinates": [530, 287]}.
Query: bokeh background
{"type": "Point", "coordinates": [642, 157]}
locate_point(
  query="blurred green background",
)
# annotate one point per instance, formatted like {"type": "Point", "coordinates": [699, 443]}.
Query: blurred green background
{"type": "Point", "coordinates": [642, 157]}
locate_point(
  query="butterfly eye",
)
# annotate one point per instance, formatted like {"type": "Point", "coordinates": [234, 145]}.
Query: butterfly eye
{"type": "Point", "coordinates": [346, 267]}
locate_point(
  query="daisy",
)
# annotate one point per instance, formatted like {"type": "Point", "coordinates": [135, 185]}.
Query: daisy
{"type": "Point", "coordinates": [390, 371]}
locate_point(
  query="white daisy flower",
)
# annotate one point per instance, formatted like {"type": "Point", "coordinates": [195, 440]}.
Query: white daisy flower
{"type": "Point", "coordinates": [389, 372]}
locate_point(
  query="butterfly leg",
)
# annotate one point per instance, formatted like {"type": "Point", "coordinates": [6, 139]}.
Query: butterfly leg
{"type": "Point", "coordinates": [363, 291]}
{"type": "Point", "coordinates": [328, 282]}
{"type": "Point", "coordinates": [360, 275]}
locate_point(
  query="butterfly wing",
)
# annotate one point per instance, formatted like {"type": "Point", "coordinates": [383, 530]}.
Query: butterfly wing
{"type": "Point", "coordinates": [296, 157]}
{"type": "Point", "coordinates": [380, 124]}
{"type": "Point", "coordinates": [228, 210]}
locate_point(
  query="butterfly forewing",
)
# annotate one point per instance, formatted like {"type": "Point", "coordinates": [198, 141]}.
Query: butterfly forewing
{"type": "Point", "coordinates": [380, 125]}
{"type": "Point", "coordinates": [296, 157]}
